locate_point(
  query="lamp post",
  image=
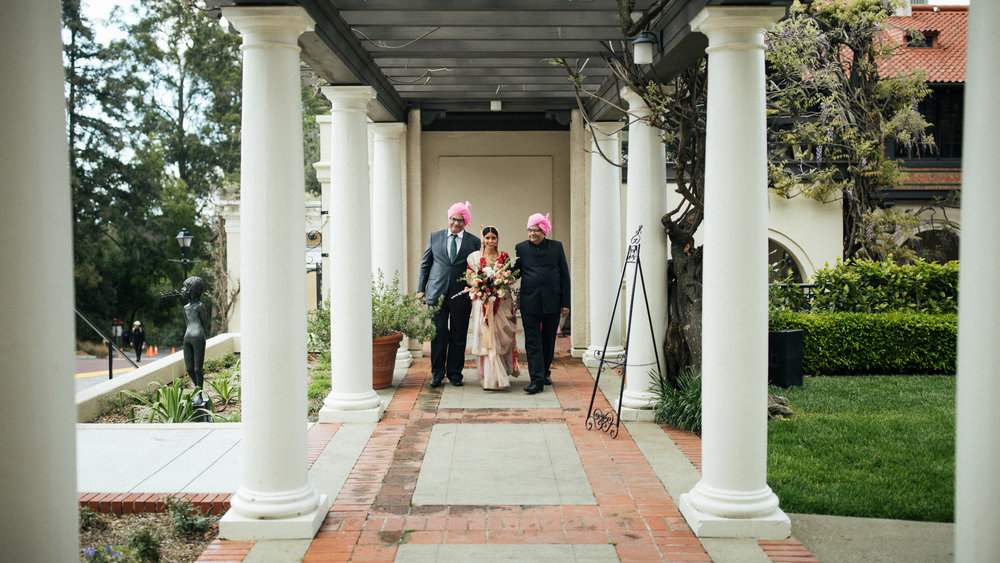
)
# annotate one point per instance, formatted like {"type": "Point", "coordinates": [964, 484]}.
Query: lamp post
{"type": "Point", "coordinates": [184, 239]}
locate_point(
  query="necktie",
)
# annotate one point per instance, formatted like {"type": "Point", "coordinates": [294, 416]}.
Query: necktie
{"type": "Point", "coordinates": [454, 247]}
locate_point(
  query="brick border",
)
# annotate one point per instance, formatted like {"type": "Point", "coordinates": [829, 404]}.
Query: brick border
{"type": "Point", "coordinates": [143, 503]}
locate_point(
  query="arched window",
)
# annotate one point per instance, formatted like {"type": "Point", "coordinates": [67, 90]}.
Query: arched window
{"type": "Point", "coordinates": [782, 263]}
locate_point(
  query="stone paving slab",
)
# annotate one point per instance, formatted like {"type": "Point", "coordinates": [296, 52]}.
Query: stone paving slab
{"type": "Point", "coordinates": [483, 464]}
{"type": "Point", "coordinates": [520, 553]}
{"type": "Point", "coordinates": [157, 457]}
{"type": "Point", "coordinates": [471, 395]}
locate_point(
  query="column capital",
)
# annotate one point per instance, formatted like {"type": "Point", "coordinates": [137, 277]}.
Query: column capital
{"type": "Point", "coordinates": [349, 98]}
{"type": "Point", "coordinates": [636, 105]}
{"type": "Point", "coordinates": [266, 23]}
{"type": "Point", "coordinates": [736, 27]}
{"type": "Point", "coordinates": [606, 130]}
{"type": "Point", "coordinates": [388, 131]}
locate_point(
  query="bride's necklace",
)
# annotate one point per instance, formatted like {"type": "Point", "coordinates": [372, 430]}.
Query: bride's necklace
{"type": "Point", "coordinates": [491, 258]}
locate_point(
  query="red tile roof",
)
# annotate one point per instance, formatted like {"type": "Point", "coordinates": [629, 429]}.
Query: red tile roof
{"type": "Point", "coordinates": [944, 60]}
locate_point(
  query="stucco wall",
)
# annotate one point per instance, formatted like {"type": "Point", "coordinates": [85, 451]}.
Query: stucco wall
{"type": "Point", "coordinates": [811, 231]}
{"type": "Point", "coordinates": [505, 175]}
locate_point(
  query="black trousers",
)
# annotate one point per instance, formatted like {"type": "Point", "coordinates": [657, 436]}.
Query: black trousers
{"type": "Point", "coordinates": [539, 343]}
{"type": "Point", "coordinates": [451, 323]}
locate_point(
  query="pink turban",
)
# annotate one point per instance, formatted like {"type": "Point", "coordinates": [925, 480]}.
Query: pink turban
{"type": "Point", "coordinates": [461, 209]}
{"type": "Point", "coordinates": [542, 221]}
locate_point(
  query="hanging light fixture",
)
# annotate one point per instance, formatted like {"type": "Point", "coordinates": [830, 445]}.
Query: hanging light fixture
{"type": "Point", "coordinates": [496, 105]}
{"type": "Point", "coordinates": [644, 46]}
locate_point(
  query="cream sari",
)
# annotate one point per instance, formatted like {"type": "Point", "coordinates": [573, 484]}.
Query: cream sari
{"type": "Point", "coordinates": [493, 338]}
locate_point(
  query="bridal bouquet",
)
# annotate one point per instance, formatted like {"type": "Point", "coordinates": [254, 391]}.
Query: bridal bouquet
{"type": "Point", "coordinates": [490, 282]}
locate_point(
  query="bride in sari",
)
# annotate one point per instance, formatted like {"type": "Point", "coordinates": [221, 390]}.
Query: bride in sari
{"type": "Point", "coordinates": [493, 322]}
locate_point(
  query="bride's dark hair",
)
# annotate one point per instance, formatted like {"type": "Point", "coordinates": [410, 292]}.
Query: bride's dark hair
{"type": "Point", "coordinates": [490, 229]}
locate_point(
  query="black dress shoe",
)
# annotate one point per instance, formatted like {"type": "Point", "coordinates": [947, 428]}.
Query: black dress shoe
{"type": "Point", "coordinates": [437, 381]}
{"type": "Point", "coordinates": [548, 380]}
{"type": "Point", "coordinates": [534, 388]}
{"type": "Point", "coordinates": [456, 382]}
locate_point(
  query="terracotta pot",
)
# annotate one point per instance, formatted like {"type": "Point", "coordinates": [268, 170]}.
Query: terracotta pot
{"type": "Point", "coordinates": [384, 359]}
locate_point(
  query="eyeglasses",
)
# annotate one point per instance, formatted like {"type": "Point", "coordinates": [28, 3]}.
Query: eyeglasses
{"type": "Point", "coordinates": [533, 230]}
{"type": "Point", "coordinates": [457, 220]}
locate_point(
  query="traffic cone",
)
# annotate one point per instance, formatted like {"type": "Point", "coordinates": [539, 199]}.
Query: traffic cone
{"type": "Point", "coordinates": [173, 350]}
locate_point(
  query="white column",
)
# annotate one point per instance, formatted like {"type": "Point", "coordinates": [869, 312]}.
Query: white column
{"type": "Point", "coordinates": [411, 209]}
{"type": "Point", "coordinates": [352, 398]}
{"type": "Point", "coordinates": [732, 498]}
{"type": "Point", "coordinates": [389, 225]}
{"type": "Point", "coordinates": [38, 465]}
{"type": "Point", "coordinates": [578, 253]}
{"type": "Point", "coordinates": [645, 205]}
{"type": "Point", "coordinates": [389, 222]}
{"type": "Point", "coordinates": [323, 177]}
{"type": "Point", "coordinates": [230, 211]}
{"type": "Point", "coordinates": [275, 498]}
{"type": "Point", "coordinates": [977, 440]}
{"type": "Point", "coordinates": [605, 266]}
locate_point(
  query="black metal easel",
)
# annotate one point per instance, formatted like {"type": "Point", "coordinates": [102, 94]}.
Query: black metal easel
{"type": "Point", "coordinates": [610, 421]}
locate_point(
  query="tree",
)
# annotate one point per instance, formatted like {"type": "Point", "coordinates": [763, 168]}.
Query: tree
{"type": "Point", "coordinates": [190, 107]}
{"type": "Point", "coordinates": [678, 110]}
{"type": "Point", "coordinates": [98, 100]}
{"type": "Point", "coordinates": [833, 114]}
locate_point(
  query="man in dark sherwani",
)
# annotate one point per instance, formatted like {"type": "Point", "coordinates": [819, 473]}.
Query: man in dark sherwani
{"type": "Point", "coordinates": [544, 297]}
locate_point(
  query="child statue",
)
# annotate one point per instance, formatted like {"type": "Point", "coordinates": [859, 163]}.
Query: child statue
{"type": "Point", "coordinates": [195, 321]}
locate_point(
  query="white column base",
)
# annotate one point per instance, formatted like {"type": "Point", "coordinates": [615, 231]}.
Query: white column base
{"type": "Point", "coordinates": [404, 358]}
{"type": "Point", "coordinates": [629, 413]}
{"type": "Point", "coordinates": [592, 356]}
{"type": "Point", "coordinates": [774, 526]}
{"type": "Point", "coordinates": [233, 526]}
{"type": "Point", "coordinates": [331, 413]}
{"type": "Point", "coordinates": [638, 399]}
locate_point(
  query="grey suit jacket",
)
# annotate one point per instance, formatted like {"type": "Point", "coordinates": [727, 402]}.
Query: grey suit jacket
{"type": "Point", "coordinates": [438, 275]}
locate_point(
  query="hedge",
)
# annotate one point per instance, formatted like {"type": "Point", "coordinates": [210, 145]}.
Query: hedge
{"type": "Point", "coordinates": [864, 286]}
{"type": "Point", "coordinates": [873, 343]}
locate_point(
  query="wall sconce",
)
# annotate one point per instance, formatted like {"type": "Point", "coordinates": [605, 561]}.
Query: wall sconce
{"type": "Point", "coordinates": [644, 45]}
{"type": "Point", "coordinates": [495, 105]}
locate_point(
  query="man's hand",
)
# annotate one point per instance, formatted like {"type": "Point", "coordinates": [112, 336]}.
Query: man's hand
{"type": "Point", "coordinates": [420, 295]}
{"type": "Point", "coordinates": [564, 311]}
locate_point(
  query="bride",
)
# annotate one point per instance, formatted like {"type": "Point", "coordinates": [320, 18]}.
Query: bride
{"type": "Point", "coordinates": [493, 327]}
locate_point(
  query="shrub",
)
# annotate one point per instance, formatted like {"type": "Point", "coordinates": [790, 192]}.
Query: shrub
{"type": "Point", "coordinates": [90, 520]}
{"type": "Point", "coordinates": [866, 286]}
{"type": "Point", "coordinates": [145, 544]}
{"type": "Point", "coordinates": [679, 406]}
{"type": "Point", "coordinates": [187, 520]}
{"type": "Point", "coordinates": [219, 364]}
{"type": "Point", "coordinates": [318, 328]}
{"type": "Point", "coordinates": [227, 385]}
{"type": "Point", "coordinates": [887, 343]}
{"type": "Point", "coordinates": [169, 403]}
{"type": "Point", "coordinates": [393, 311]}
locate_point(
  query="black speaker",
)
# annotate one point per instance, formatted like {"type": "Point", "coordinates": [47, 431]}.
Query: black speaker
{"type": "Point", "coordinates": [784, 358]}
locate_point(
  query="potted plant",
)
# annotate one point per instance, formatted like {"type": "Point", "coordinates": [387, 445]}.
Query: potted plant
{"type": "Point", "coordinates": [395, 314]}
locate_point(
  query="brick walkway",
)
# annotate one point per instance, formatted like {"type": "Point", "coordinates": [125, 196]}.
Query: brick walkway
{"type": "Point", "coordinates": [373, 515]}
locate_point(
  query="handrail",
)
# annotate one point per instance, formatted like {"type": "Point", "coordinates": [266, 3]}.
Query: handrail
{"type": "Point", "coordinates": [111, 344]}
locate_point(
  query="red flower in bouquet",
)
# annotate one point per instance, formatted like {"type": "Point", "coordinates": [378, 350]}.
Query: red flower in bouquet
{"type": "Point", "coordinates": [490, 282]}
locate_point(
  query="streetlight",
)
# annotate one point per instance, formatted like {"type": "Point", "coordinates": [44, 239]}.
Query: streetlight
{"type": "Point", "coordinates": [184, 239]}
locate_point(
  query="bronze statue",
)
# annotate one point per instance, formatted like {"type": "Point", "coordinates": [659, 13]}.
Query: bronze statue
{"type": "Point", "coordinates": [196, 322]}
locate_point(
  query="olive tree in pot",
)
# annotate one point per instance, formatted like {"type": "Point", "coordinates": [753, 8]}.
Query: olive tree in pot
{"type": "Point", "coordinates": [395, 314]}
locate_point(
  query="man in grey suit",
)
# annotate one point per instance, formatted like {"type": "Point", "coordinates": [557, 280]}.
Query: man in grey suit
{"type": "Point", "coordinates": [441, 272]}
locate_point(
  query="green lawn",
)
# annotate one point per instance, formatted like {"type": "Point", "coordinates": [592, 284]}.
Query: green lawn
{"type": "Point", "coordinates": [873, 446]}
